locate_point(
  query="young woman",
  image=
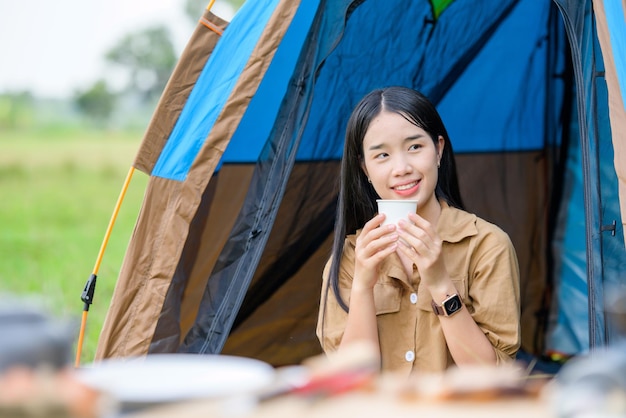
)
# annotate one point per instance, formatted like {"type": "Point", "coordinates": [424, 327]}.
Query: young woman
{"type": "Point", "coordinates": [440, 290]}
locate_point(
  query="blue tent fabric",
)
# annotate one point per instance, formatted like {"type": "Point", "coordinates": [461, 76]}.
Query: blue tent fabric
{"type": "Point", "coordinates": [611, 34]}
{"type": "Point", "coordinates": [199, 114]}
{"type": "Point", "coordinates": [604, 251]}
{"type": "Point", "coordinates": [259, 117]}
{"type": "Point", "coordinates": [344, 67]}
{"type": "Point", "coordinates": [516, 119]}
{"type": "Point", "coordinates": [424, 56]}
{"type": "Point", "coordinates": [569, 332]}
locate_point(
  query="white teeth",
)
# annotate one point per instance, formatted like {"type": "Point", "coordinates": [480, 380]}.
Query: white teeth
{"type": "Point", "coordinates": [406, 186]}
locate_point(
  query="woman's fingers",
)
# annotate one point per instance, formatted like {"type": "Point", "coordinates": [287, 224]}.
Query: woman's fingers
{"type": "Point", "coordinates": [377, 240]}
{"type": "Point", "coordinates": [422, 224]}
{"type": "Point", "coordinates": [423, 245]}
{"type": "Point", "coordinates": [373, 224]}
{"type": "Point", "coordinates": [413, 235]}
{"type": "Point", "coordinates": [373, 245]}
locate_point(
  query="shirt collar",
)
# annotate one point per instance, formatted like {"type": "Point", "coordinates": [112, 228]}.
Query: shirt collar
{"type": "Point", "coordinates": [455, 224]}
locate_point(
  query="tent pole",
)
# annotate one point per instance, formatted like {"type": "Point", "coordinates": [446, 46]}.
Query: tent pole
{"type": "Point", "coordinates": [90, 286]}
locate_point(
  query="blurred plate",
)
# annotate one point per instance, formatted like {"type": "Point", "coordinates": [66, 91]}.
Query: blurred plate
{"type": "Point", "coordinates": [159, 378]}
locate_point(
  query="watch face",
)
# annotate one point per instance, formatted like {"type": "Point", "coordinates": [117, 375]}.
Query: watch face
{"type": "Point", "coordinates": [452, 304]}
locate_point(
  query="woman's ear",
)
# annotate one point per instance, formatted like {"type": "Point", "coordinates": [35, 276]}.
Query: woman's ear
{"type": "Point", "coordinates": [441, 143]}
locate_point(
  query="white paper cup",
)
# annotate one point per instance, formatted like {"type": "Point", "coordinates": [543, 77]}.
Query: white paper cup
{"type": "Point", "coordinates": [395, 210]}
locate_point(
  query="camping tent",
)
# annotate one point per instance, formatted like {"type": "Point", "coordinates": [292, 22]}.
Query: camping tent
{"type": "Point", "coordinates": [243, 155]}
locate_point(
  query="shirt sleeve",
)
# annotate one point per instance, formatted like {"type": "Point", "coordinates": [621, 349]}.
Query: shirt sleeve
{"type": "Point", "coordinates": [332, 318]}
{"type": "Point", "coordinates": [495, 293]}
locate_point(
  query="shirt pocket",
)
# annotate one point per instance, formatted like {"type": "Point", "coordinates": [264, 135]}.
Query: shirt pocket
{"type": "Point", "coordinates": [424, 298]}
{"type": "Point", "coordinates": [387, 298]}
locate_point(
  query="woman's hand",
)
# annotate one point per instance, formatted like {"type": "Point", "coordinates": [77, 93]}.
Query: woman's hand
{"type": "Point", "coordinates": [421, 244]}
{"type": "Point", "coordinates": [373, 245]}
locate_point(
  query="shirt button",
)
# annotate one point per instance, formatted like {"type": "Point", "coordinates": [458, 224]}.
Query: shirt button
{"type": "Point", "coordinates": [413, 298]}
{"type": "Point", "coordinates": [409, 356]}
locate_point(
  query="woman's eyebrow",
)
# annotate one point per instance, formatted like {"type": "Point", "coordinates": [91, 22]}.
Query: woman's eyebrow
{"type": "Point", "coordinates": [376, 147]}
{"type": "Point", "coordinates": [414, 137]}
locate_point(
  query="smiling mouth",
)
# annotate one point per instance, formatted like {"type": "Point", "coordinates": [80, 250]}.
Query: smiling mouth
{"type": "Point", "coordinates": [406, 186]}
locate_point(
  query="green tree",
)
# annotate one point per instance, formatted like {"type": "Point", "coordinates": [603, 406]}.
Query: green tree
{"type": "Point", "coordinates": [149, 57]}
{"type": "Point", "coordinates": [97, 102]}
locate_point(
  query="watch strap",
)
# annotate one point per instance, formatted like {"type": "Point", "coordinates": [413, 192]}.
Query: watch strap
{"type": "Point", "coordinates": [441, 310]}
{"type": "Point", "coordinates": [437, 309]}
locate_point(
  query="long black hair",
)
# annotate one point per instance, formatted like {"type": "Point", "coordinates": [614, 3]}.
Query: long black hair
{"type": "Point", "coordinates": [357, 197]}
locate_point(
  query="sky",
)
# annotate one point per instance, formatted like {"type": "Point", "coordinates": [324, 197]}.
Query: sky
{"type": "Point", "coordinates": [54, 48]}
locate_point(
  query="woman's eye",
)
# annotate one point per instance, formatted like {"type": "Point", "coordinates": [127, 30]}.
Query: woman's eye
{"type": "Point", "coordinates": [414, 147]}
{"type": "Point", "coordinates": [381, 156]}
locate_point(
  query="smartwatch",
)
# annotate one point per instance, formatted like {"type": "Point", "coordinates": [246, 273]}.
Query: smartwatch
{"type": "Point", "coordinates": [450, 306]}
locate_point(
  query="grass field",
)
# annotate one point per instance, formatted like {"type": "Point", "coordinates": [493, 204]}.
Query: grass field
{"type": "Point", "coordinates": [58, 190]}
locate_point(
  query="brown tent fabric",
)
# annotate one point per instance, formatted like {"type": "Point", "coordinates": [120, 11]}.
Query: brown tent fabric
{"type": "Point", "coordinates": [517, 200]}
{"type": "Point", "coordinates": [278, 317]}
{"type": "Point", "coordinates": [146, 273]}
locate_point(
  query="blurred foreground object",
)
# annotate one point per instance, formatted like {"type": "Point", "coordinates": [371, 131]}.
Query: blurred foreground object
{"type": "Point", "coordinates": [478, 383]}
{"type": "Point", "coordinates": [348, 383]}
{"type": "Point", "coordinates": [36, 379]}
{"type": "Point", "coordinates": [157, 379]}
{"type": "Point", "coordinates": [42, 392]}
{"type": "Point", "coordinates": [616, 312]}
{"type": "Point", "coordinates": [32, 338]}
{"type": "Point", "coordinates": [595, 385]}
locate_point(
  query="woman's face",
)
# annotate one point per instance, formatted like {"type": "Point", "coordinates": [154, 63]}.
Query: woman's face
{"type": "Point", "coordinates": [401, 159]}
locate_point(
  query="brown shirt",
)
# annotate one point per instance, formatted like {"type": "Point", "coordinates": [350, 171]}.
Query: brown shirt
{"type": "Point", "coordinates": [483, 266]}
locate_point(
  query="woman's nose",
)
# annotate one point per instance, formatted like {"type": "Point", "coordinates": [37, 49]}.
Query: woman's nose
{"type": "Point", "coordinates": [401, 166]}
